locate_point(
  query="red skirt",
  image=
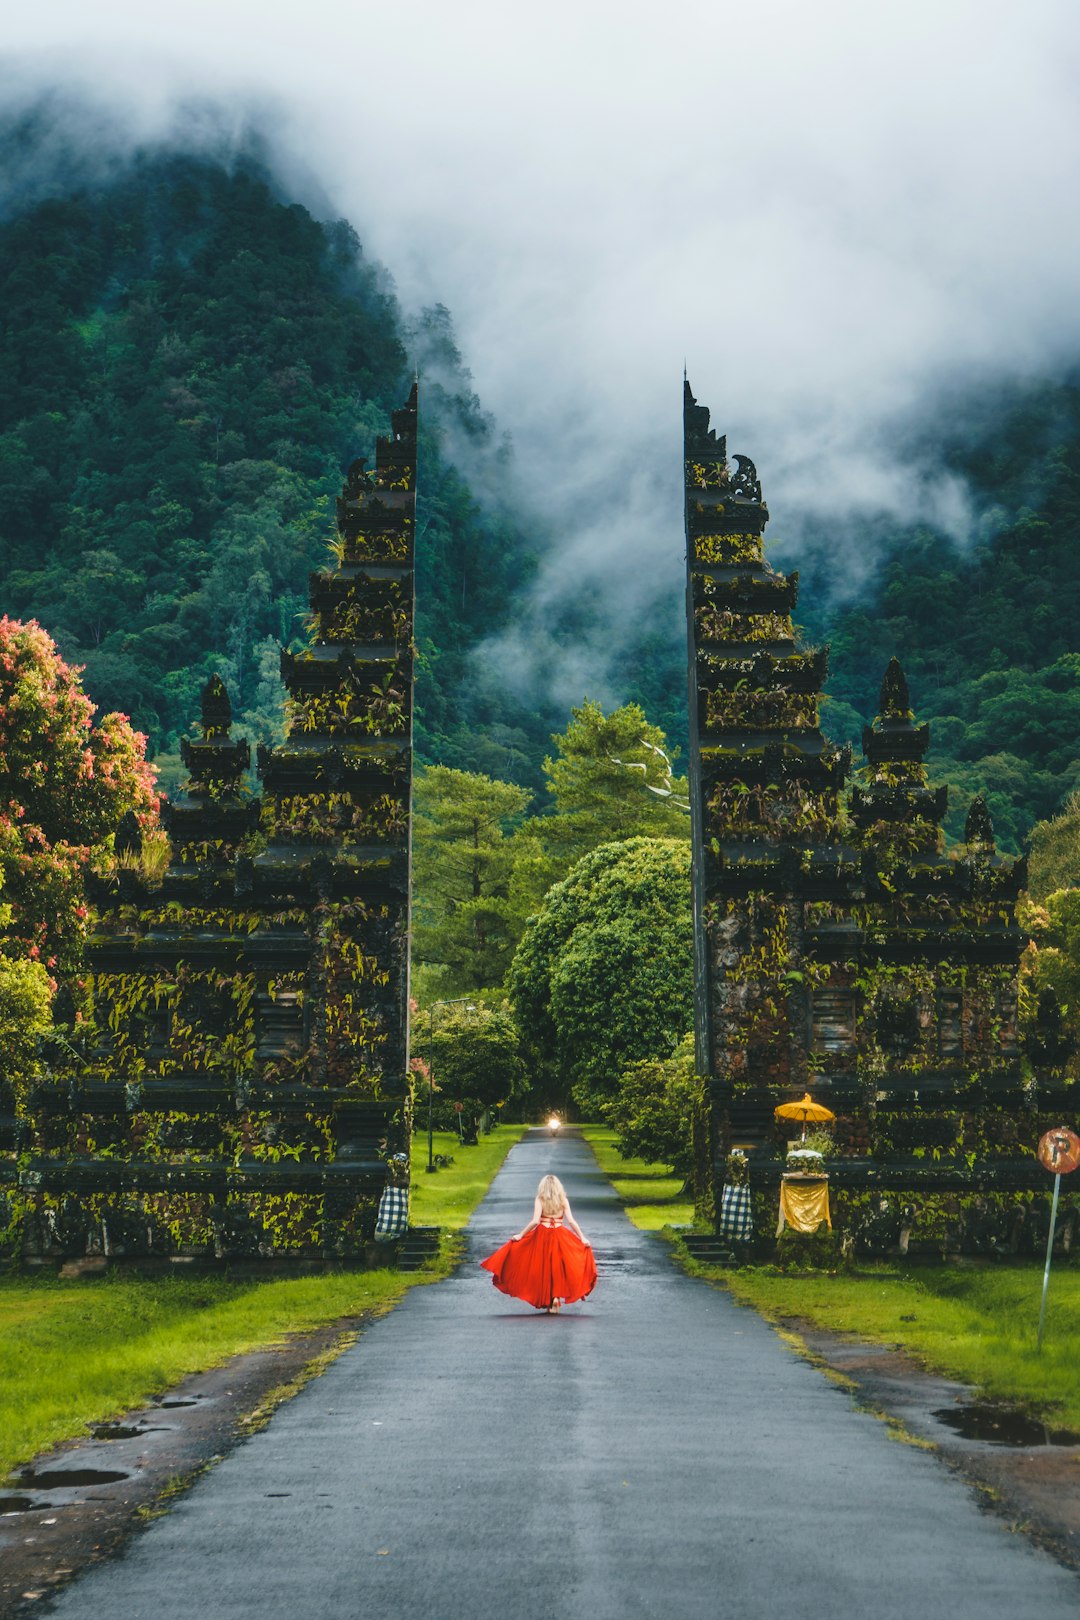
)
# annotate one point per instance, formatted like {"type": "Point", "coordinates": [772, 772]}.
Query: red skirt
{"type": "Point", "coordinates": [549, 1263]}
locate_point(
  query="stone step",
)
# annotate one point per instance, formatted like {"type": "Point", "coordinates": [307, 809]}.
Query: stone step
{"type": "Point", "coordinates": [418, 1246]}
{"type": "Point", "coordinates": [708, 1249]}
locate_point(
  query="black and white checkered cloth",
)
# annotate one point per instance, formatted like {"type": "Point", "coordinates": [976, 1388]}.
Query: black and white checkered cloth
{"type": "Point", "coordinates": [393, 1217]}
{"type": "Point", "coordinates": [736, 1220]}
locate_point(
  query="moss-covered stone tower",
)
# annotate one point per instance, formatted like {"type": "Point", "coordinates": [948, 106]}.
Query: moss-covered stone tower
{"type": "Point", "coordinates": [237, 1070]}
{"type": "Point", "coordinates": [838, 949]}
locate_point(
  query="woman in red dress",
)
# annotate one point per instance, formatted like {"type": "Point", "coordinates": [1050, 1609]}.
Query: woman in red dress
{"type": "Point", "coordinates": [549, 1263]}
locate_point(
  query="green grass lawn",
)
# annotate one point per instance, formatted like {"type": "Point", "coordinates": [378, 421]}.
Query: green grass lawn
{"type": "Point", "coordinates": [448, 1197]}
{"type": "Point", "coordinates": [975, 1324]}
{"type": "Point", "coordinates": [74, 1352]}
{"type": "Point", "coordinates": [650, 1194]}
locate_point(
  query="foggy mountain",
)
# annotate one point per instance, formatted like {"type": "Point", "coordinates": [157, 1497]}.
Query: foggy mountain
{"type": "Point", "coordinates": [839, 276]}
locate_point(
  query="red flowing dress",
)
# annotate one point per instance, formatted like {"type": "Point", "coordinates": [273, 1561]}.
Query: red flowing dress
{"type": "Point", "coordinates": [549, 1263]}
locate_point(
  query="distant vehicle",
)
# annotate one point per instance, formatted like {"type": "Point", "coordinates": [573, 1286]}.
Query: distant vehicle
{"type": "Point", "coordinates": [554, 1125]}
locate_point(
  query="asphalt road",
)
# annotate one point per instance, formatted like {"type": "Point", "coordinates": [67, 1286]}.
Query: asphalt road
{"type": "Point", "coordinates": [654, 1451]}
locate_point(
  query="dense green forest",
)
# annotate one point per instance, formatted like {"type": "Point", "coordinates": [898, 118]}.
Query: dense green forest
{"type": "Point", "coordinates": [188, 361]}
{"type": "Point", "coordinates": [988, 633]}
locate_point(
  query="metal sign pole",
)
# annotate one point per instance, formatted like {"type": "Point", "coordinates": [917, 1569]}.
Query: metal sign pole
{"type": "Point", "coordinates": [1058, 1152]}
{"type": "Point", "coordinates": [1049, 1253]}
{"type": "Point", "coordinates": [431, 1092]}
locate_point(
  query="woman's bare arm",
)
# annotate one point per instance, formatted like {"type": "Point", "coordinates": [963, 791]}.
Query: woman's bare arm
{"type": "Point", "coordinates": [573, 1225]}
{"type": "Point", "coordinates": [525, 1230]}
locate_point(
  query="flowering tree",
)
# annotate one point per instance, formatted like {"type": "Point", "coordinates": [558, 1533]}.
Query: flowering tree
{"type": "Point", "coordinates": [64, 784]}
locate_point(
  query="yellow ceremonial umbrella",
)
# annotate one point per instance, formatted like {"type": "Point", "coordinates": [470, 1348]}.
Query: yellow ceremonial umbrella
{"type": "Point", "coordinates": [807, 1109]}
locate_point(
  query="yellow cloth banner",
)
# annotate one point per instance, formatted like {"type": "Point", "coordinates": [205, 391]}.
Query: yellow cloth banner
{"type": "Point", "coordinates": [804, 1205]}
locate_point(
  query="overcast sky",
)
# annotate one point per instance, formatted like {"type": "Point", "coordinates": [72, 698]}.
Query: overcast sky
{"type": "Point", "coordinates": [828, 211]}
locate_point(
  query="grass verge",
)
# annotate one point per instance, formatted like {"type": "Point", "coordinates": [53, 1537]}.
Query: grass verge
{"type": "Point", "coordinates": [77, 1351]}
{"type": "Point", "coordinates": [448, 1197]}
{"type": "Point", "coordinates": [650, 1194]}
{"type": "Point", "coordinates": [74, 1352]}
{"type": "Point", "coordinates": [977, 1325]}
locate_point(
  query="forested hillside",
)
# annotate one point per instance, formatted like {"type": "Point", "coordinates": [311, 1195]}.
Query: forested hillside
{"type": "Point", "coordinates": [187, 363]}
{"type": "Point", "coordinates": [988, 635]}
{"type": "Point", "coordinates": [988, 632]}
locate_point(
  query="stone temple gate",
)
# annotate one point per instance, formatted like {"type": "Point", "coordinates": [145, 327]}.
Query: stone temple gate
{"type": "Point", "coordinates": [837, 948]}
{"type": "Point", "coordinates": [235, 1069]}
{"type": "Point", "coordinates": [232, 1074]}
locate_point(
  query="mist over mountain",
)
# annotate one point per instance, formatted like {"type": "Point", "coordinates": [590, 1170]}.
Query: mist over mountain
{"type": "Point", "coordinates": [188, 361]}
{"type": "Point", "coordinates": [842, 220]}
{"type": "Point", "coordinates": [191, 356]}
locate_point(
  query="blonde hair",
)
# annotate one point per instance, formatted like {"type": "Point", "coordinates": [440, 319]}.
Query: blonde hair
{"type": "Point", "coordinates": [552, 1197]}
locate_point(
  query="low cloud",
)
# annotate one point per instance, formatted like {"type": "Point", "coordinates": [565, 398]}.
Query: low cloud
{"type": "Point", "coordinates": [832, 214]}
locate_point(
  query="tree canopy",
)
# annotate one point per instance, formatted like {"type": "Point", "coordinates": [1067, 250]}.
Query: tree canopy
{"type": "Point", "coordinates": [188, 363]}
{"type": "Point", "coordinates": [481, 870]}
{"type": "Point", "coordinates": [653, 1112]}
{"type": "Point", "coordinates": [474, 1059]}
{"type": "Point", "coordinates": [603, 976]}
{"type": "Point", "coordinates": [611, 779]}
{"type": "Point", "coordinates": [1054, 862]}
{"type": "Point", "coordinates": [465, 921]}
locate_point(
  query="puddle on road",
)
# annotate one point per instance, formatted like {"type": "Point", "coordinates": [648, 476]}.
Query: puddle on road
{"type": "Point", "coordinates": [72, 1479]}
{"type": "Point", "coordinates": [170, 1406]}
{"type": "Point", "coordinates": [999, 1426]}
{"type": "Point", "coordinates": [118, 1431]}
{"type": "Point", "coordinates": [19, 1504]}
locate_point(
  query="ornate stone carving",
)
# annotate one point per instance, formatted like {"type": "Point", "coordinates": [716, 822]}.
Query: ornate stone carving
{"type": "Point", "coordinates": [744, 483]}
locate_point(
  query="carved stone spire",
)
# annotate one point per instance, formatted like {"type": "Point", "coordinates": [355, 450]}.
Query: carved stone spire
{"type": "Point", "coordinates": [699, 440]}
{"type": "Point", "coordinates": [764, 782]}
{"type": "Point", "coordinates": [214, 811]}
{"type": "Point", "coordinates": [349, 708]}
{"type": "Point", "coordinates": [894, 789]}
{"type": "Point", "coordinates": [216, 709]}
{"type": "Point", "coordinates": [216, 761]}
{"type": "Point", "coordinates": [979, 828]}
{"type": "Point", "coordinates": [337, 791]}
{"type": "Point", "coordinates": [766, 770]}
{"type": "Point", "coordinates": [895, 702]}
{"type": "Point", "coordinates": [894, 738]}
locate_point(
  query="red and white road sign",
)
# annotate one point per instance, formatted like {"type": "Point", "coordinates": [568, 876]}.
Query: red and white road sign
{"type": "Point", "coordinates": [1059, 1150]}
